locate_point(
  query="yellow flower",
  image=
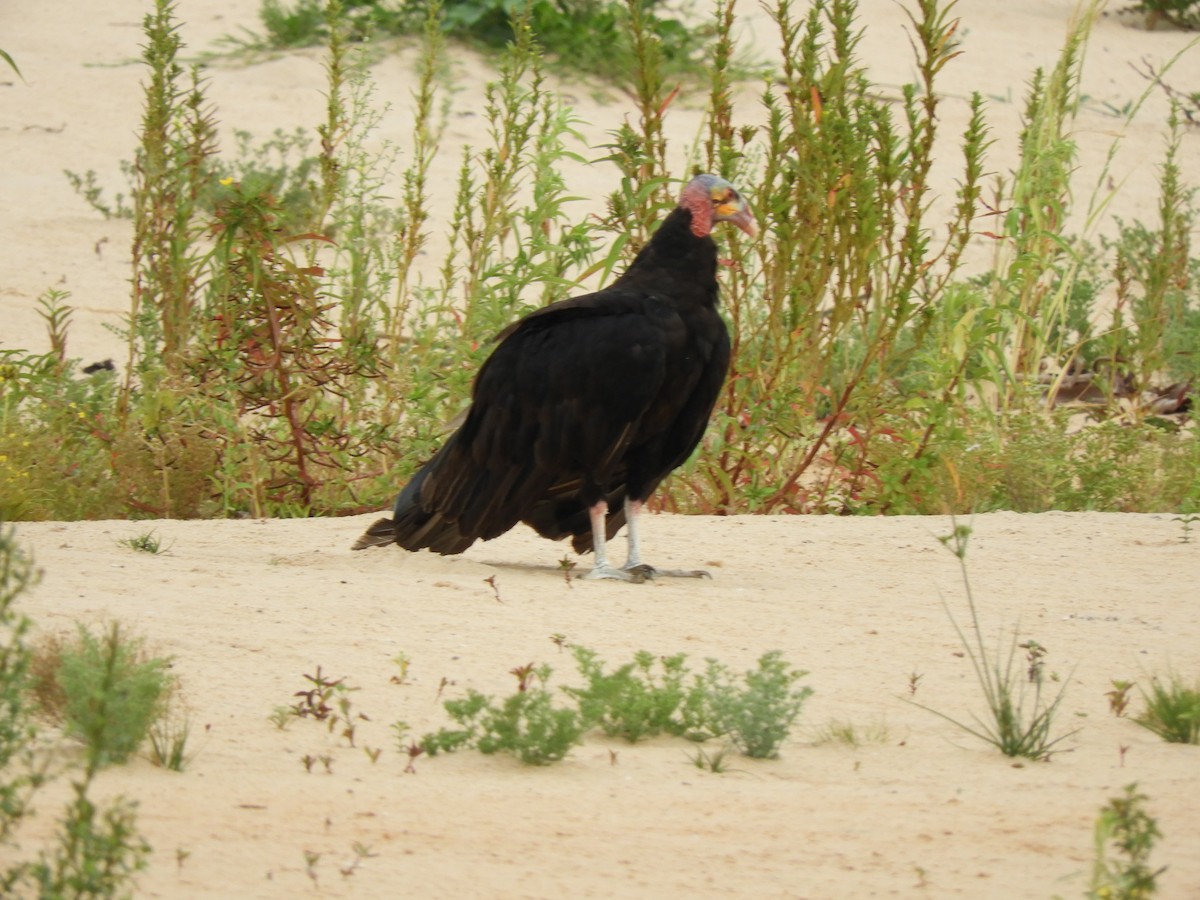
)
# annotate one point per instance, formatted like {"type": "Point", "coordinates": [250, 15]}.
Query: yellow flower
{"type": "Point", "coordinates": [227, 181]}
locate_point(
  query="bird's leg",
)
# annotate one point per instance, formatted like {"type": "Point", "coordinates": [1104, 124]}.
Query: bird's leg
{"type": "Point", "coordinates": [633, 563]}
{"type": "Point", "coordinates": [601, 568]}
{"type": "Point", "coordinates": [633, 512]}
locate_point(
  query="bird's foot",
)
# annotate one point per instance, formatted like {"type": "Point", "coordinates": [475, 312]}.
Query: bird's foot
{"type": "Point", "coordinates": [642, 572]}
{"type": "Point", "coordinates": [633, 576]}
{"type": "Point", "coordinates": [648, 572]}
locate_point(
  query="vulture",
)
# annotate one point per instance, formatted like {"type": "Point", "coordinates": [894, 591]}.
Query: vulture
{"type": "Point", "coordinates": [586, 405]}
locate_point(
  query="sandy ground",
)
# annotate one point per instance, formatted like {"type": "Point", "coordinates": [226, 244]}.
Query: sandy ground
{"type": "Point", "coordinates": [247, 608]}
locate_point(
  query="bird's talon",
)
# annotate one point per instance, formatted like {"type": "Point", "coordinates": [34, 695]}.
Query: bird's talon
{"type": "Point", "coordinates": [608, 573]}
{"type": "Point", "coordinates": [641, 572]}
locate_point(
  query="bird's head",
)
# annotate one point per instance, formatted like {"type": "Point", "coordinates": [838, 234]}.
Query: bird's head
{"type": "Point", "coordinates": [712, 199]}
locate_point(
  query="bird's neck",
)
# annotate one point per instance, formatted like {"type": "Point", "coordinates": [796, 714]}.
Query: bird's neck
{"type": "Point", "coordinates": [674, 253]}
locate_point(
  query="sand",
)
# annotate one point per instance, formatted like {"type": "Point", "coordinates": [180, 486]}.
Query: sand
{"type": "Point", "coordinates": [245, 609]}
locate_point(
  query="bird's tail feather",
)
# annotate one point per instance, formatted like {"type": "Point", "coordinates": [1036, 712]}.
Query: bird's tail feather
{"type": "Point", "coordinates": [380, 534]}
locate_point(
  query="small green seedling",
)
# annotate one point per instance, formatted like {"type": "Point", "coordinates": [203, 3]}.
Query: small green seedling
{"type": "Point", "coordinates": [1118, 697]}
{"type": "Point", "coordinates": [146, 542]}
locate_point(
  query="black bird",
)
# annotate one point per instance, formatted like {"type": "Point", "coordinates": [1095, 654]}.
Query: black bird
{"type": "Point", "coordinates": [586, 405]}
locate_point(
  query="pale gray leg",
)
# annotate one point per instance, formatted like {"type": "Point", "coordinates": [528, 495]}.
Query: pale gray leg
{"type": "Point", "coordinates": [633, 563]}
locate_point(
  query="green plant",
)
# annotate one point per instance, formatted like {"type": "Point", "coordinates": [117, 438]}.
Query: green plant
{"type": "Point", "coordinates": [1180, 13]}
{"type": "Point", "coordinates": [651, 695]}
{"type": "Point", "coordinates": [1125, 836]}
{"type": "Point", "coordinates": [632, 701]}
{"type": "Point", "coordinates": [1017, 724]}
{"type": "Point", "coordinates": [714, 762]}
{"type": "Point", "coordinates": [1172, 711]}
{"type": "Point", "coordinates": [290, 355]}
{"type": "Point", "coordinates": [19, 775]}
{"type": "Point", "coordinates": [96, 849]}
{"type": "Point", "coordinates": [757, 714]}
{"type": "Point", "coordinates": [327, 701]}
{"type": "Point", "coordinates": [168, 742]}
{"type": "Point", "coordinates": [9, 61]}
{"type": "Point", "coordinates": [146, 542]}
{"type": "Point", "coordinates": [113, 692]}
{"type": "Point", "coordinates": [1118, 697]}
{"type": "Point", "coordinates": [282, 716]}
{"type": "Point", "coordinates": [837, 732]}
{"type": "Point", "coordinates": [526, 725]}
{"type": "Point", "coordinates": [1186, 523]}
{"type": "Point", "coordinates": [588, 36]}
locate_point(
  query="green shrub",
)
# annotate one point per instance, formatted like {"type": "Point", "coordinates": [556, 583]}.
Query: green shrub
{"type": "Point", "coordinates": [1125, 835]}
{"type": "Point", "coordinates": [113, 693]}
{"type": "Point", "coordinates": [526, 725]}
{"type": "Point", "coordinates": [287, 355]}
{"type": "Point", "coordinates": [756, 715]}
{"type": "Point", "coordinates": [95, 850]}
{"type": "Point", "coordinates": [632, 702]}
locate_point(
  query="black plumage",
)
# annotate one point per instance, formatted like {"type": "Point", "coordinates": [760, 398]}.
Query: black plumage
{"type": "Point", "coordinates": [586, 405]}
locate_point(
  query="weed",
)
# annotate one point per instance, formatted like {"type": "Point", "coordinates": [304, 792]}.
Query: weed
{"type": "Point", "coordinates": [1125, 836]}
{"type": "Point", "coordinates": [97, 849]}
{"type": "Point", "coordinates": [1172, 711]}
{"type": "Point", "coordinates": [168, 742]}
{"type": "Point", "coordinates": [1017, 725]}
{"type": "Point", "coordinates": [282, 716]}
{"type": "Point", "coordinates": [526, 725]}
{"type": "Point", "coordinates": [1186, 523]}
{"type": "Point", "coordinates": [278, 313]}
{"type": "Point", "coordinates": [19, 775]}
{"type": "Point", "coordinates": [146, 542]}
{"type": "Point", "coordinates": [490, 581]}
{"type": "Point", "coordinates": [1035, 659]}
{"type": "Point", "coordinates": [757, 715]}
{"type": "Point", "coordinates": [1183, 14]}
{"type": "Point", "coordinates": [113, 692]}
{"type": "Point", "coordinates": [402, 663]}
{"type": "Point", "coordinates": [311, 858]}
{"type": "Point", "coordinates": [9, 61]}
{"type": "Point", "coordinates": [1118, 697]}
{"type": "Point", "coordinates": [914, 681]}
{"type": "Point", "coordinates": [467, 713]}
{"type": "Point", "coordinates": [361, 852]}
{"type": "Point", "coordinates": [633, 701]}
{"type": "Point", "coordinates": [315, 703]}
{"type": "Point", "coordinates": [593, 36]}
{"type": "Point", "coordinates": [837, 732]}
{"type": "Point", "coordinates": [413, 750]}
{"type": "Point", "coordinates": [714, 762]}
{"type": "Point", "coordinates": [649, 696]}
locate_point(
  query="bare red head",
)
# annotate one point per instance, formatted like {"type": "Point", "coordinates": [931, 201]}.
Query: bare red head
{"type": "Point", "coordinates": [712, 199]}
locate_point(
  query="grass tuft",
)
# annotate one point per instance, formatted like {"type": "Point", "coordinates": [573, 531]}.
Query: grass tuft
{"type": "Point", "coordinates": [1172, 710]}
{"type": "Point", "coordinates": [1020, 720]}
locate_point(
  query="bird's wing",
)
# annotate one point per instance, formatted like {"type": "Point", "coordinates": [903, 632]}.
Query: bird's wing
{"type": "Point", "coordinates": [560, 396]}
